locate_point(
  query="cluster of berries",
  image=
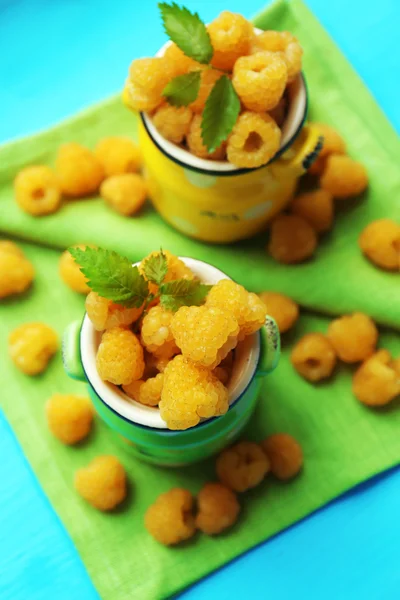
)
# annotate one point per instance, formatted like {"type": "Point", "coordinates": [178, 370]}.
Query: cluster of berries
{"type": "Point", "coordinates": [111, 169]}
{"type": "Point", "coordinates": [175, 515]}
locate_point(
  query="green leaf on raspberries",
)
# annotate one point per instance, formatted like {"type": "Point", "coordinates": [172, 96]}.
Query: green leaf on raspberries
{"type": "Point", "coordinates": [220, 113]}
{"type": "Point", "coordinates": [183, 90]}
{"type": "Point", "coordinates": [155, 267]}
{"type": "Point", "coordinates": [112, 276]}
{"type": "Point", "coordinates": [183, 292]}
{"type": "Point", "coordinates": [188, 31]}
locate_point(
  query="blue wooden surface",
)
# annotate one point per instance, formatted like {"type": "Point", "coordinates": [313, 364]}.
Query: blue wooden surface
{"type": "Point", "coordinates": [56, 57]}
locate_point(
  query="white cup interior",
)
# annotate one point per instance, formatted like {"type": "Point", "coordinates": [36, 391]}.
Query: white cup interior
{"type": "Point", "coordinates": [295, 116]}
{"type": "Point", "coordinates": [247, 355]}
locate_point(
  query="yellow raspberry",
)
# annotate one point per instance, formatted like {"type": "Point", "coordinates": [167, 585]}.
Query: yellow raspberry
{"type": "Point", "coordinates": [284, 454]}
{"type": "Point", "coordinates": [119, 358]}
{"type": "Point", "coordinates": [205, 334]}
{"type": "Point", "coordinates": [173, 122]}
{"type": "Point", "coordinates": [79, 173]}
{"type": "Point", "coordinates": [282, 42]}
{"type": "Point", "coordinates": [196, 145]}
{"type": "Point", "coordinates": [354, 337]}
{"type": "Point", "coordinates": [118, 155]}
{"type": "Point", "coordinates": [125, 193]}
{"type": "Point", "coordinates": [102, 483]}
{"type": "Point", "coordinates": [190, 392]}
{"type": "Point", "coordinates": [71, 273]}
{"type": "Point", "coordinates": [316, 208]}
{"type": "Point", "coordinates": [223, 375]}
{"type": "Point", "coordinates": [242, 466]}
{"type": "Point", "coordinates": [218, 508]}
{"type": "Point", "coordinates": [16, 272]}
{"type": "Point", "coordinates": [176, 269]}
{"type": "Point", "coordinates": [282, 309]}
{"type": "Point", "coordinates": [377, 382]}
{"type": "Point", "coordinates": [104, 314]}
{"type": "Point", "coordinates": [208, 79]}
{"type": "Point", "coordinates": [69, 417]}
{"type": "Point", "coordinates": [170, 519]}
{"type": "Point", "coordinates": [279, 112]}
{"type": "Point", "coordinates": [147, 79]}
{"type": "Point", "coordinates": [254, 140]}
{"type": "Point", "coordinates": [380, 243]}
{"type": "Point", "coordinates": [292, 239]}
{"type": "Point", "coordinates": [247, 308]}
{"type": "Point", "coordinates": [333, 144]}
{"type": "Point", "coordinates": [343, 177]}
{"type": "Point", "coordinates": [31, 346]}
{"type": "Point", "coordinates": [260, 80]}
{"type": "Point", "coordinates": [231, 36]}
{"type": "Point", "coordinates": [156, 334]}
{"type": "Point", "coordinates": [146, 392]}
{"type": "Point", "coordinates": [37, 191]}
{"type": "Point", "coordinates": [177, 62]}
{"type": "Point", "coordinates": [314, 357]}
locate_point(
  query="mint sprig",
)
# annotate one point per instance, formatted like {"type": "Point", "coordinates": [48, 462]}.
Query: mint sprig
{"type": "Point", "coordinates": [220, 113]}
{"type": "Point", "coordinates": [183, 292]}
{"type": "Point", "coordinates": [188, 31]}
{"type": "Point", "coordinates": [184, 89]}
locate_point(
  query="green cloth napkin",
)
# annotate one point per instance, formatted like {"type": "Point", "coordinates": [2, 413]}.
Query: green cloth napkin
{"type": "Point", "coordinates": [338, 280]}
{"type": "Point", "coordinates": [344, 443]}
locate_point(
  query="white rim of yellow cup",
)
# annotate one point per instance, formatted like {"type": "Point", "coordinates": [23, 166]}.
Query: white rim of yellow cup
{"type": "Point", "coordinates": [245, 365]}
{"type": "Point", "coordinates": [295, 118]}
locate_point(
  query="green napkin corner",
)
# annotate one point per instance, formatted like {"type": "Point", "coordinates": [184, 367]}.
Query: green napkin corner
{"type": "Point", "coordinates": [344, 442]}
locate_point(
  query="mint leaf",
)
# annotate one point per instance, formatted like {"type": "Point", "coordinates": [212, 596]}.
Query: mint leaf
{"type": "Point", "coordinates": [188, 31]}
{"type": "Point", "coordinates": [155, 267]}
{"type": "Point", "coordinates": [112, 276]}
{"type": "Point", "coordinates": [220, 113]}
{"type": "Point", "coordinates": [183, 292]}
{"type": "Point", "coordinates": [183, 90]}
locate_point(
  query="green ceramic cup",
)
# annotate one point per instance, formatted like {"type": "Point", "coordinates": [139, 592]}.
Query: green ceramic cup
{"type": "Point", "coordinates": [139, 428]}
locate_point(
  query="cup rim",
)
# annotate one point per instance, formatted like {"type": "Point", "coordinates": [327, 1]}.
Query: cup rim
{"type": "Point", "coordinates": [147, 417]}
{"type": "Point", "coordinates": [205, 166]}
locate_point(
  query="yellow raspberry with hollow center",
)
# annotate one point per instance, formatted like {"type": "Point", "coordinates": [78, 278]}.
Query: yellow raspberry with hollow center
{"type": "Point", "coordinates": [343, 177]}
{"type": "Point", "coordinates": [190, 393]}
{"type": "Point", "coordinates": [173, 122]}
{"type": "Point", "coordinates": [71, 273]}
{"type": "Point", "coordinates": [16, 272]}
{"type": "Point", "coordinates": [125, 193]}
{"type": "Point", "coordinates": [282, 309]}
{"type": "Point", "coordinates": [248, 309]}
{"type": "Point", "coordinates": [377, 381]}
{"type": "Point", "coordinates": [260, 80]}
{"type": "Point", "coordinates": [316, 207]}
{"type": "Point", "coordinates": [218, 508]}
{"type": "Point", "coordinates": [354, 337]}
{"type": "Point", "coordinates": [119, 358]}
{"type": "Point", "coordinates": [170, 518]}
{"type": "Point", "coordinates": [118, 155]}
{"type": "Point", "coordinates": [69, 417]}
{"type": "Point", "coordinates": [147, 79]}
{"type": "Point", "coordinates": [292, 239]}
{"type": "Point", "coordinates": [156, 334]}
{"type": "Point", "coordinates": [284, 454]}
{"type": "Point", "coordinates": [37, 191]}
{"type": "Point", "coordinates": [79, 173]}
{"type": "Point", "coordinates": [102, 483]}
{"type": "Point", "coordinates": [205, 334]}
{"type": "Point", "coordinates": [254, 140]}
{"type": "Point", "coordinates": [177, 63]}
{"type": "Point", "coordinates": [242, 466]}
{"type": "Point", "coordinates": [104, 314]}
{"type": "Point", "coordinates": [231, 36]}
{"type": "Point", "coordinates": [283, 42]}
{"type": "Point", "coordinates": [380, 243]}
{"type": "Point", "coordinates": [208, 79]}
{"type": "Point", "coordinates": [196, 145]}
{"type": "Point", "coordinates": [314, 357]}
{"type": "Point", "coordinates": [176, 269]}
{"type": "Point", "coordinates": [31, 346]}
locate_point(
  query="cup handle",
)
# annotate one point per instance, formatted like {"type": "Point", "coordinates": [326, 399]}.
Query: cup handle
{"type": "Point", "coordinates": [305, 149]}
{"type": "Point", "coordinates": [71, 353]}
{"type": "Point", "coordinates": [270, 348]}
